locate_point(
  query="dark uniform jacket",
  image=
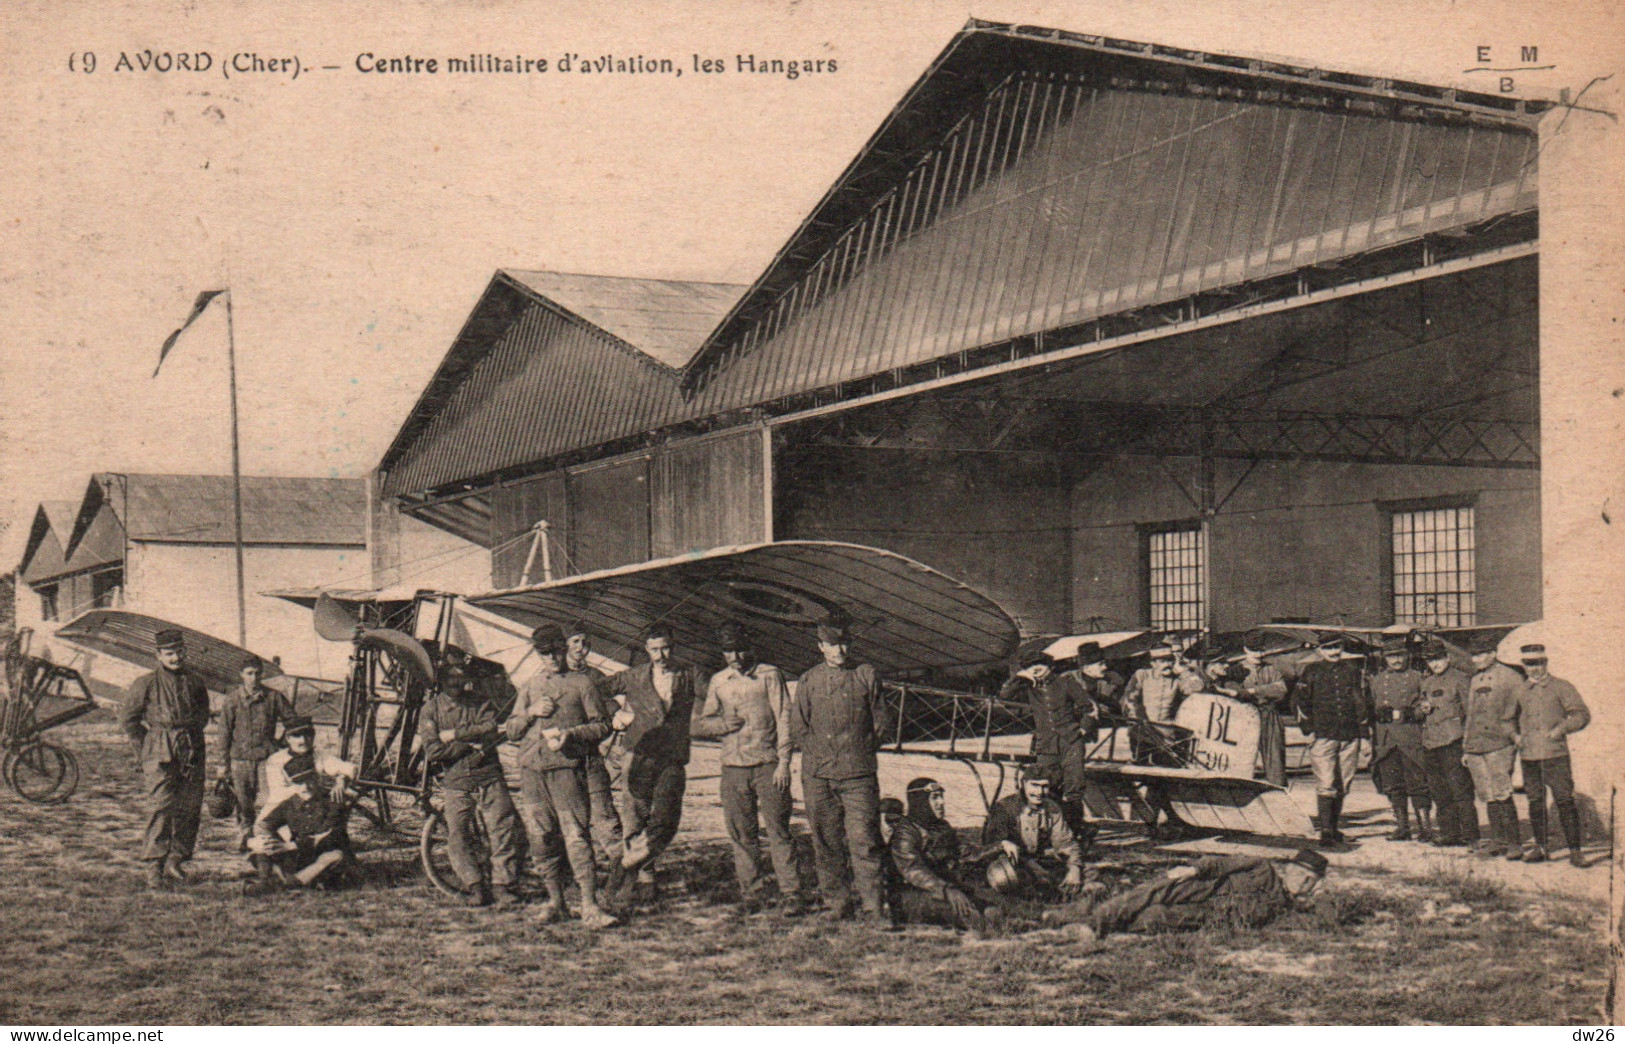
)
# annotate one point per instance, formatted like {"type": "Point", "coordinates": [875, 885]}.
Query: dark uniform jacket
{"type": "Point", "coordinates": [1396, 697]}
{"type": "Point", "coordinates": [1542, 707]}
{"type": "Point", "coordinates": [1059, 705]}
{"type": "Point", "coordinates": [926, 854]}
{"type": "Point", "coordinates": [164, 714]}
{"type": "Point", "coordinates": [248, 725]}
{"type": "Point", "coordinates": [1040, 834]}
{"type": "Point", "coordinates": [839, 721]}
{"type": "Point", "coordinates": [1245, 889]}
{"type": "Point", "coordinates": [1332, 699]}
{"type": "Point", "coordinates": [471, 757]}
{"type": "Point", "coordinates": [657, 733]}
{"type": "Point", "coordinates": [578, 713]}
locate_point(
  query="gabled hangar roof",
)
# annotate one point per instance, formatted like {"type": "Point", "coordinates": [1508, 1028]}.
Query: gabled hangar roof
{"type": "Point", "coordinates": [45, 554]}
{"type": "Point", "coordinates": [1030, 183]}
{"type": "Point", "coordinates": [550, 362]}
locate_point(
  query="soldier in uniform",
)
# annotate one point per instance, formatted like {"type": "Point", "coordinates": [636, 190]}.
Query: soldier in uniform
{"type": "Point", "coordinates": [838, 722]}
{"type": "Point", "coordinates": [604, 764]}
{"type": "Point", "coordinates": [935, 885]}
{"type": "Point", "coordinates": [164, 715]}
{"type": "Point", "coordinates": [1241, 891]}
{"type": "Point", "coordinates": [1063, 718]}
{"type": "Point", "coordinates": [460, 729]}
{"type": "Point", "coordinates": [1444, 708]}
{"type": "Point", "coordinates": [1489, 743]}
{"type": "Point", "coordinates": [559, 720]}
{"type": "Point", "coordinates": [1031, 831]}
{"type": "Point", "coordinates": [1152, 699]}
{"type": "Point", "coordinates": [1099, 682]}
{"type": "Point", "coordinates": [302, 839]}
{"type": "Point", "coordinates": [250, 719]}
{"type": "Point", "coordinates": [1397, 765]}
{"type": "Point", "coordinates": [1549, 711]}
{"type": "Point", "coordinates": [1264, 686]}
{"type": "Point", "coordinates": [1334, 708]}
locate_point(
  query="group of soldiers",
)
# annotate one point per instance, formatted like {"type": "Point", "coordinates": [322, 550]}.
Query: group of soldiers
{"type": "Point", "coordinates": [1439, 732]}
{"type": "Point", "coordinates": [602, 765]}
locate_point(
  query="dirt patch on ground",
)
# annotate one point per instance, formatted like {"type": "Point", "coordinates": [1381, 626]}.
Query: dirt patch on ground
{"type": "Point", "coordinates": [85, 943]}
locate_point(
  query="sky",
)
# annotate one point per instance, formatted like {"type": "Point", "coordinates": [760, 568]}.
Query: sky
{"type": "Point", "coordinates": [357, 217]}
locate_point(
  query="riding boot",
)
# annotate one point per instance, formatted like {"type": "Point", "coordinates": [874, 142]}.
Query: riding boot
{"type": "Point", "coordinates": [1337, 817]}
{"type": "Point", "coordinates": [1326, 818]}
{"type": "Point", "coordinates": [1467, 822]}
{"type": "Point", "coordinates": [1424, 823]}
{"type": "Point", "coordinates": [1511, 841]}
{"type": "Point", "coordinates": [1402, 819]}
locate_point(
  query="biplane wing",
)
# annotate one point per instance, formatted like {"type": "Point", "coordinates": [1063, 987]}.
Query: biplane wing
{"type": "Point", "coordinates": [129, 637]}
{"type": "Point", "coordinates": [905, 617]}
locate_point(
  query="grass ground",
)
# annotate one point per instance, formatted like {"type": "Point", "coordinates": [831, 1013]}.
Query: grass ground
{"type": "Point", "coordinates": [82, 942]}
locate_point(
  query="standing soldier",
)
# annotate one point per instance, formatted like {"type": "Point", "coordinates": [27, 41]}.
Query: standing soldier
{"type": "Point", "coordinates": [1062, 716]}
{"type": "Point", "coordinates": [1444, 709]}
{"type": "Point", "coordinates": [602, 764]}
{"type": "Point", "coordinates": [1151, 699]}
{"type": "Point", "coordinates": [249, 719]}
{"type": "Point", "coordinates": [1335, 709]}
{"type": "Point", "coordinates": [1397, 765]}
{"type": "Point", "coordinates": [660, 699]}
{"type": "Point", "coordinates": [1264, 686]}
{"type": "Point", "coordinates": [838, 724]}
{"type": "Point", "coordinates": [461, 728]}
{"type": "Point", "coordinates": [748, 706]}
{"type": "Point", "coordinates": [1490, 743]}
{"type": "Point", "coordinates": [165, 713]}
{"type": "Point", "coordinates": [1549, 711]}
{"type": "Point", "coordinates": [1103, 686]}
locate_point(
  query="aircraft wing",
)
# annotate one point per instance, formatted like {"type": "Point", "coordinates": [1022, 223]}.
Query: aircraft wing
{"type": "Point", "coordinates": [905, 616]}
{"type": "Point", "coordinates": [129, 636]}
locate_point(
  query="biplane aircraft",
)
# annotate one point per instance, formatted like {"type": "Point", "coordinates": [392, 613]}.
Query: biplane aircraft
{"type": "Point", "coordinates": [913, 623]}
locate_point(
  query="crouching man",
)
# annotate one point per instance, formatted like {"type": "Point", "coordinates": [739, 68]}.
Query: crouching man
{"type": "Point", "coordinates": [933, 887]}
{"type": "Point", "coordinates": [1239, 891]}
{"type": "Point", "coordinates": [1030, 830]}
{"type": "Point", "coordinates": [303, 839]}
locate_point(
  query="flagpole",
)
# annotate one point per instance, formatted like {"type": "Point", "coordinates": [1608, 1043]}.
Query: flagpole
{"type": "Point", "coordinates": [236, 478]}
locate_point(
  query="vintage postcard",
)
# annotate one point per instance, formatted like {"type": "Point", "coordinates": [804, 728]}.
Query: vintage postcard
{"type": "Point", "coordinates": [815, 512]}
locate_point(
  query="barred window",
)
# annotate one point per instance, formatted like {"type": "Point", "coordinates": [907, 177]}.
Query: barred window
{"type": "Point", "coordinates": [1434, 579]}
{"type": "Point", "coordinates": [1173, 556]}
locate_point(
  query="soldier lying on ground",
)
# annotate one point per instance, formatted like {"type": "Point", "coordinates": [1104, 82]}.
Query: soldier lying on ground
{"type": "Point", "coordinates": [1238, 891]}
{"type": "Point", "coordinates": [302, 839]}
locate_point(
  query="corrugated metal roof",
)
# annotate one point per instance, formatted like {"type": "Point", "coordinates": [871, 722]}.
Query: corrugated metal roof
{"type": "Point", "coordinates": [663, 318]}
{"type": "Point", "coordinates": [1088, 185]}
{"type": "Point", "coordinates": [197, 509]}
{"type": "Point", "coordinates": [1029, 182]}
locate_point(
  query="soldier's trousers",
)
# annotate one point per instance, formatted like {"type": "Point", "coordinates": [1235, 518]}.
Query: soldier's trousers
{"type": "Point", "coordinates": [1400, 773]}
{"type": "Point", "coordinates": [1272, 745]}
{"type": "Point", "coordinates": [245, 788]}
{"type": "Point", "coordinates": [492, 802]}
{"type": "Point", "coordinates": [605, 813]}
{"type": "Point", "coordinates": [654, 804]}
{"type": "Point", "coordinates": [174, 807]}
{"type": "Point", "coordinates": [1554, 774]}
{"type": "Point", "coordinates": [845, 819]}
{"type": "Point", "coordinates": [1173, 906]}
{"type": "Point", "coordinates": [1452, 788]}
{"type": "Point", "coordinates": [558, 808]}
{"type": "Point", "coordinates": [1334, 762]}
{"type": "Point", "coordinates": [749, 792]}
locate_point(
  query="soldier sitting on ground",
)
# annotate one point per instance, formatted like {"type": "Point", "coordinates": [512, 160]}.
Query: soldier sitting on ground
{"type": "Point", "coordinates": [934, 886]}
{"type": "Point", "coordinates": [303, 839]}
{"type": "Point", "coordinates": [1042, 860]}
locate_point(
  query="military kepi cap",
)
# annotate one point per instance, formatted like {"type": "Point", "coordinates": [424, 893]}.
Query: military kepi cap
{"type": "Point", "coordinates": [1483, 643]}
{"type": "Point", "coordinates": [169, 638]}
{"type": "Point", "coordinates": [548, 638]}
{"type": "Point", "coordinates": [832, 631]}
{"type": "Point", "coordinates": [1311, 861]}
{"type": "Point", "coordinates": [731, 637]}
{"type": "Point", "coordinates": [1532, 653]}
{"type": "Point", "coordinates": [1089, 653]}
{"type": "Point", "coordinates": [298, 723]}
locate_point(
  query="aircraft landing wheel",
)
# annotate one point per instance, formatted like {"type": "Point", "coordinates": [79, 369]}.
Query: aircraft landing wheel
{"type": "Point", "coordinates": [41, 772]}
{"type": "Point", "coordinates": [434, 850]}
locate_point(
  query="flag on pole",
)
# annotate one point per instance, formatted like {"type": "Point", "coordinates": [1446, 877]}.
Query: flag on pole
{"type": "Point", "coordinates": [198, 306]}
